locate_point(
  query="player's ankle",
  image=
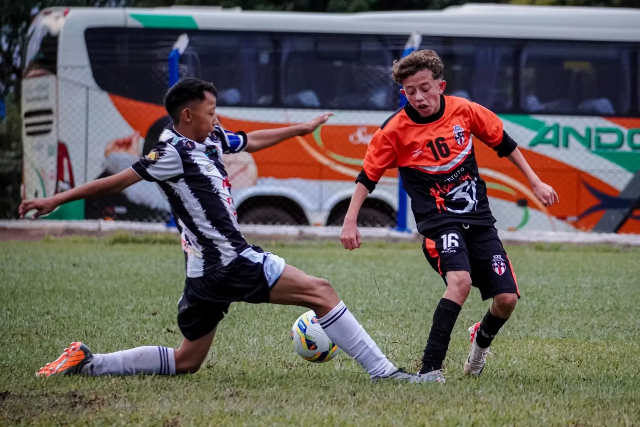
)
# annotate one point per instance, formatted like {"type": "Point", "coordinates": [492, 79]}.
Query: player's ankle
{"type": "Point", "coordinates": [429, 368]}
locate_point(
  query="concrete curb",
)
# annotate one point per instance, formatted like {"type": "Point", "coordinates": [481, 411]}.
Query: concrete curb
{"type": "Point", "coordinates": [314, 233]}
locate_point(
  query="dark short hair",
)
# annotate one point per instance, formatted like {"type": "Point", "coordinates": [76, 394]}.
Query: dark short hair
{"type": "Point", "coordinates": [418, 61]}
{"type": "Point", "coordinates": [184, 92]}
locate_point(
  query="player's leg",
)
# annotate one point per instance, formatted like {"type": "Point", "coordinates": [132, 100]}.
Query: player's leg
{"type": "Point", "coordinates": [294, 287]}
{"type": "Point", "coordinates": [153, 360]}
{"type": "Point", "coordinates": [191, 354]}
{"type": "Point", "coordinates": [446, 252]}
{"type": "Point", "coordinates": [494, 276]}
{"type": "Point", "coordinates": [77, 359]}
{"type": "Point", "coordinates": [197, 320]}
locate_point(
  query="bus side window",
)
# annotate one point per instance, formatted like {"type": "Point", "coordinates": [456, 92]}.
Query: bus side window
{"type": "Point", "coordinates": [240, 65]}
{"type": "Point", "coordinates": [575, 78]}
{"type": "Point", "coordinates": [477, 70]}
{"type": "Point", "coordinates": [132, 62]}
{"type": "Point", "coordinates": [338, 72]}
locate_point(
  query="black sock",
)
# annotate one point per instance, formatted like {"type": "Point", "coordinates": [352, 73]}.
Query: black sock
{"type": "Point", "coordinates": [444, 319]}
{"type": "Point", "coordinates": [489, 329]}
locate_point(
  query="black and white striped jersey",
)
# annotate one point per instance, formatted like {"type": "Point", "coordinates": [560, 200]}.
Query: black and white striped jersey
{"type": "Point", "coordinates": [193, 179]}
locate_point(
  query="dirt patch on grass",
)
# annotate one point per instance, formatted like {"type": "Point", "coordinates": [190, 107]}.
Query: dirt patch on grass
{"type": "Point", "coordinates": [22, 407]}
{"type": "Point", "coordinates": [174, 422]}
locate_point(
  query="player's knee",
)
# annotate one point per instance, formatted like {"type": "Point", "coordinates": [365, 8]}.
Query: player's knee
{"type": "Point", "coordinates": [187, 362]}
{"type": "Point", "coordinates": [506, 303]}
{"type": "Point", "coordinates": [459, 281]}
{"type": "Point", "coordinates": [187, 366]}
{"type": "Point", "coordinates": [325, 295]}
{"type": "Point", "coordinates": [323, 288]}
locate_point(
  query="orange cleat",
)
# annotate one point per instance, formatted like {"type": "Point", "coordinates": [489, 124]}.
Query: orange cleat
{"type": "Point", "coordinates": [71, 362]}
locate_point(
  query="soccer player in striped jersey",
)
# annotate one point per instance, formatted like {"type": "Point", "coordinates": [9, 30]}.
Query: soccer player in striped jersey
{"type": "Point", "coordinates": [430, 141]}
{"type": "Point", "coordinates": [221, 267]}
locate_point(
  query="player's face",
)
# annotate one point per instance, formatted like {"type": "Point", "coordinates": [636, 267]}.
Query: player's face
{"type": "Point", "coordinates": [423, 92]}
{"type": "Point", "coordinates": [201, 117]}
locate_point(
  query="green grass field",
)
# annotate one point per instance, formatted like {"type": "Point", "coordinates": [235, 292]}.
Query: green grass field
{"type": "Point", "coordinates": [570, 355]}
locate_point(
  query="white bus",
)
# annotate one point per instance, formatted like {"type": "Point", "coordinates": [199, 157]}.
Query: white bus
{"type": "Point", "coordinates": [565, 81]}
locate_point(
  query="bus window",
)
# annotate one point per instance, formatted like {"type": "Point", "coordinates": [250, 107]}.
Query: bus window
{"type": "Point", "coordinates": [339, 71]}
{"type": "Point", "coordinates": [133, 62]}
{"type": "Point", "coordinates": [240, 65]}
{"type": "Point", "coordinates": [478, 70]}
{"type": "Point", "coordinates": [575, 78]}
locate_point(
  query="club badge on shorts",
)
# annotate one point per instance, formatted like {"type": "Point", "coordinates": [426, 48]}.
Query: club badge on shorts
{"type": "Point", "coordinates": [498, 265]}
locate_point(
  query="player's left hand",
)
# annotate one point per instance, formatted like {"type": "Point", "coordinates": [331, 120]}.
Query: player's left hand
{"type": "Point", "coordinates": [545, 193]}
{"type": "Point", "coordinates": [311, 125]}
{"type": "Point", "coordinates": [42, 207]}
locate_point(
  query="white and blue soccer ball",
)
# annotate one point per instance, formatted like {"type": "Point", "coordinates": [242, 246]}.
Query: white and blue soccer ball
{"type": "Point", "coordinates": [310, 341]}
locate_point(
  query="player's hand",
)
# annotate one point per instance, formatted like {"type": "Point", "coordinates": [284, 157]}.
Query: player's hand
{"type": "Point", "coordinates": [545, 193]}
{"type": "Point", "coordinates": [350, 236]}
{"type": "Point", "coordinates": [311, 125]}
{"type": "Point", "coordinates": [42, 207]}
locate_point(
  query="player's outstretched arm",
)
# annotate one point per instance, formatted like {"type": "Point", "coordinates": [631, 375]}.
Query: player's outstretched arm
{"type": "Point", "coordinates": [111, 184]}
{"type": "Point", "coordinates": [261, 139]}
{"type": "Point", "coordinates": [350, 236]}
{"type": "Point", "coordinates": [545, 193]}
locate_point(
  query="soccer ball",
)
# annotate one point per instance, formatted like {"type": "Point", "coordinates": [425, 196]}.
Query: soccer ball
{"type": "Point", "coordinates": [310, 341]}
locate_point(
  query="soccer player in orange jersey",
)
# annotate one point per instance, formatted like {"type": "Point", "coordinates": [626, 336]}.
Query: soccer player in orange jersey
{"type": "Point", "coordinates": [430, 141]}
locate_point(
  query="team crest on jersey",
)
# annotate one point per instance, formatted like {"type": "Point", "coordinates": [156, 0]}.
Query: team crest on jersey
{"type": "Point", "coordinates": [498, 265]}
{"type": "Point", "coordinates": [153, 156]}
{"type": "Point", "coordinates": [458, 134]}
{"type": "Point", "coordinates": [209, 167]}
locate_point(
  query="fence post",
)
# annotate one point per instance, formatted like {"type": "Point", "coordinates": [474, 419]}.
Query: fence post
{"type": "Point", "coordinates": [174, 75]}
{"type": "Point", "coordinates": [401, 221]}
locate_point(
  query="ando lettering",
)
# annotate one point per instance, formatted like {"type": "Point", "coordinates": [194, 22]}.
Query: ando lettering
{"type": "Point", "coordinates": [598, 138]}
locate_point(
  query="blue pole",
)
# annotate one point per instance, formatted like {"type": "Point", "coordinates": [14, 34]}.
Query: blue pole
{"type": "Point", "coordinates": [401, 222]}
{"type": "Point", "coordinates": [174, 67]}
{"type": "Point", "coordinates": [174, 75]}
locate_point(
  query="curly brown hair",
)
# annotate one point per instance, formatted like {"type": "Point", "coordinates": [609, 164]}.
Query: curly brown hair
{"type": "Point", "coordinates": [418, 61]}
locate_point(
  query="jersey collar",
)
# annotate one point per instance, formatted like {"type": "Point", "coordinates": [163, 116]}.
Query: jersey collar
{"type": "Point", "coordinates": [424, 120]}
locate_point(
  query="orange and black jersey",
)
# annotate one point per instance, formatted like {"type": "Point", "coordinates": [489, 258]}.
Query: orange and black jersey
{"type": "Point", "coordinates": [436, 160]}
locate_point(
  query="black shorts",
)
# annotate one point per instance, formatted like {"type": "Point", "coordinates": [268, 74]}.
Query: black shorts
{"type": "Point", "coordinates": [206, 299]}
{"type": "Point", "coordinates": [476, 249]}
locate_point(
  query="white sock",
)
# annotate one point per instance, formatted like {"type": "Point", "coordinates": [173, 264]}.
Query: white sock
{"type": "Point", "coordinates": [345, 331]}
{"type": "Point", "coordinates": [140, 360]}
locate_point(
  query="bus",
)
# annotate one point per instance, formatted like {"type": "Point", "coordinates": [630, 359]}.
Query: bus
{"type": "Point", "coordinates": [564, 80]}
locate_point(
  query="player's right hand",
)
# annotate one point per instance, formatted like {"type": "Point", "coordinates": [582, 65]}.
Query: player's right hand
{"type": "Point", "coordinates": [42, 207]}
{"type": "Point", "coordinates": [350, 236]}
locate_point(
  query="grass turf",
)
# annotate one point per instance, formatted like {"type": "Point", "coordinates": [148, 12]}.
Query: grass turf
{"type": "Point", "coordinates": [569, 355]}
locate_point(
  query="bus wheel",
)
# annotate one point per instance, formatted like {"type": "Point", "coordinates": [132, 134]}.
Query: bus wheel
{"type": "Point", "coordinates": [372, 217]}
{"type": "Point", "coordinates": [267, 215]}
{"type": "Point", "coordinates": [369, 216]}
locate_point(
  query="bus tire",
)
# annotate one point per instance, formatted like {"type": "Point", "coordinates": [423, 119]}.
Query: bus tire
{"type": "Point", "coordinates": [372, 214]}
{"type": "Point", "coordinates": [267, 215]}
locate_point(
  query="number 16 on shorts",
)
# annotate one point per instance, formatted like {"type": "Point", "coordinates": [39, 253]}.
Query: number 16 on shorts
{"type": "Point", "coordinates": [450, 243]}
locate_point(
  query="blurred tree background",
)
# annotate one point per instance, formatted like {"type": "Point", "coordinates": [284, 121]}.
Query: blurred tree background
{"type": "Point", "coordinates": [16, 15]}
